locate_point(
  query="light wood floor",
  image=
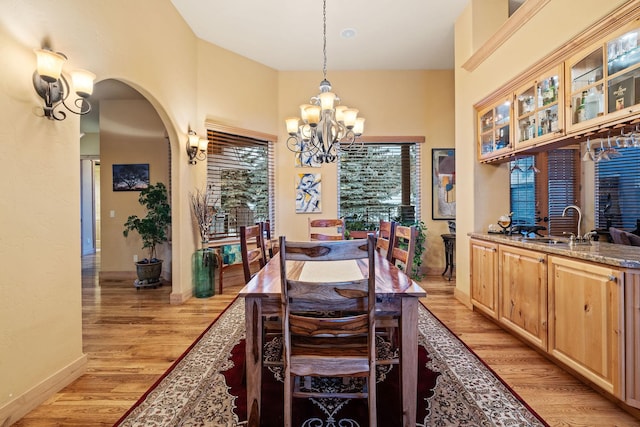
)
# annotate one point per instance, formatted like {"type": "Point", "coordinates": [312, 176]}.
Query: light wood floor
{"type": "Point", "coordinates": [132, 337]}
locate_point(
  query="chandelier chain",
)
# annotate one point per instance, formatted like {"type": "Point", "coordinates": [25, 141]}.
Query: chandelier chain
{"type": "Point", "coordinates": [324, 38]}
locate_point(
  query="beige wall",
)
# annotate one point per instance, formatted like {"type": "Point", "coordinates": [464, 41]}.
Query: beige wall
{"type": "Point", "coordinates": [483, 191]}
{"type": "Point", "coordinates": [131, 132]}
{"type": "Point", "coordinates": [40, 304]}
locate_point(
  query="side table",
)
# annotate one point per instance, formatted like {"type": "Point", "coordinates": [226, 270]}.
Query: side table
{"type": "Point", "coordinates": [449, 250]}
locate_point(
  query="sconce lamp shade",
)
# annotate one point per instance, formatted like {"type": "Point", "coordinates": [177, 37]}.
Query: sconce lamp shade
{"type": "Point", "coordinates": [83, 82]}
{"type": "Point", "coordinates": [49, 64]}
{"type": "Point", "coordinates": [194, 139]}
{"type": "Point", "coordinates": [196, 147]}
{"type": "Point", "coordinates": [203, 144]}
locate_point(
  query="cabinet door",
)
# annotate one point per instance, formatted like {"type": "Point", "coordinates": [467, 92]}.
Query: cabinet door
{"type": "Point", "coordinates": [603, 80]}
{"type": "Point", "coordinates": [538, 110]}
{"type": "Point", "coordinates": [484, 276]}
{"type": "Point", "coordinates": [632, 310]}
{"type": "Point", "coordinates": [586, 326]}
{"type": "Point", "coordinates": [523, 293]}
{"type": "Point", "coordinates": [494, 129]}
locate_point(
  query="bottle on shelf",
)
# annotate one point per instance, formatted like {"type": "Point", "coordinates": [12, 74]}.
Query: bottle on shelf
{"type": "Point", "coordinates": [580, 109]}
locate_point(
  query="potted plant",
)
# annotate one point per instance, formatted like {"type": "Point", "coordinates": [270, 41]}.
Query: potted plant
{"type": "Point", "coordinates": [358, 228]}
{"type": "Point", "coordinates": [152, 229]}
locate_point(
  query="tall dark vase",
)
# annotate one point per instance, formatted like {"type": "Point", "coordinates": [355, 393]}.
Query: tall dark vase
{"type": "Point", "coordinates": [203, 270]}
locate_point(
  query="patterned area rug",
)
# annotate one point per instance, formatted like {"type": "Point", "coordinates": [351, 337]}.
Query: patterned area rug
{"type": "Point", "coordinates": [205, 387]}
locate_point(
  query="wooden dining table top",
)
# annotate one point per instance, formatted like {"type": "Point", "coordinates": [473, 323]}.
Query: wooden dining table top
{"type": "Point", "coordinates": [390, 280]}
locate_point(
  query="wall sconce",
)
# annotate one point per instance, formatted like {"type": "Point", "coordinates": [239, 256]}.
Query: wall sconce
{"type": "Point", "coordinates": [54, 88]}
{"type": "Point", "coordinates": [196, 148]}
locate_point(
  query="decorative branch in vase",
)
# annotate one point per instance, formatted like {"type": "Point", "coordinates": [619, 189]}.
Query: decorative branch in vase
{"type": "Point", "coordinates": [203, 210]}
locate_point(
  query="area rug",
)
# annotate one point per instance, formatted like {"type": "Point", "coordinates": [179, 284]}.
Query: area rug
{"type": "Point", "coordinates": [206, 387]}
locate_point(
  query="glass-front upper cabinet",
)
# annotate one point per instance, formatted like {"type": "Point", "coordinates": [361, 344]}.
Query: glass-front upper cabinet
{"type": "Point", "coordinates": [623, 60]}
{"type": "Point", "coordinates": [538, 109]}
{"type": "Point", "coordinates": [604, 81]}
{"type": "Point", "coordinates": [494, 130]}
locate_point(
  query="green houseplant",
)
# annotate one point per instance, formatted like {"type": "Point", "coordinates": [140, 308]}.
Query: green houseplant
{"type": "Point", "coordinates": [152, 229]}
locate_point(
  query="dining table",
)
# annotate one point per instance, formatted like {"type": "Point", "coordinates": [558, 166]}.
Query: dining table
{"type": "Point", "coordinates": [396, 295]}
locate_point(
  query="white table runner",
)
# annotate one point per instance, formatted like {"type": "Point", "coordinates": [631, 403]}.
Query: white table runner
{"type": "Point", "coordinates": [330, 271]}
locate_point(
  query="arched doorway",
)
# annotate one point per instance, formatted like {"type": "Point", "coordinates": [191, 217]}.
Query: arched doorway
{"type": "Point", "coordinates": [123, 128]}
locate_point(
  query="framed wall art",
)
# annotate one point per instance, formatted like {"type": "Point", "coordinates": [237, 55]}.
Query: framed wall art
{"type": "Point", "coordinates": [308, 193]}
{"type": "Point", "coordinates": [132, 177]}
{"type": "Point", "coordinates": [444, 183]}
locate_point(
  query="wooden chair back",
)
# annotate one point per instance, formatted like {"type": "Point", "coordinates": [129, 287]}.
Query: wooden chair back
{"type": "Point", "coordinates": [386, 233]}
{"type": "Point", "coordinates": [252, 249]}
{"type": "Point", "coordinates": [403, 247]}
{"type": "Point", "coordinates": [328, 327]}
{"type": "Point", "coordinates": [269, 246]}
{"type": "Point", "coordinates": [326, 229]}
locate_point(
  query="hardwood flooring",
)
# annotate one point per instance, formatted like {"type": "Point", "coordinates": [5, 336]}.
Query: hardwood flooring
{"type": "Point", "coordinates": [132, 336]}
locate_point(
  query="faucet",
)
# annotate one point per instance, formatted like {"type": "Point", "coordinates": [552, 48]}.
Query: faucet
{"type": "Point", "coordinates": [564, 213]}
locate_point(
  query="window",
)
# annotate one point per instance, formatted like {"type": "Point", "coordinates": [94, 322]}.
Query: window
{"type": "Point", "coordinates": [617, 184]}
{"type": "Point", "coordinates": [379, 181]}
{"type": "Point", "coordinates": [542, 186]}
{"type": "Point", "coordinates": [240, 177]}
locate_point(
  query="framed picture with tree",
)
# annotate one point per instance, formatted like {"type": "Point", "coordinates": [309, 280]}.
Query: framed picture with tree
{"type": "Point", "coordinates": [130, 177]}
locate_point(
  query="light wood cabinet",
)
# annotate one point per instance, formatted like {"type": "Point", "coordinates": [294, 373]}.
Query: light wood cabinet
{"type": "Point", "coordinates": [586, 321]}
{"type": "Point", "coordinates": [494, 129]}
{"type": "Point", "coordinates": [523, 293]}
{"type": "Point", "coordinates": [603, 80]}
{"type": "Point", "coordinates": [632, 325]}
{"type": "Point", "coordinates": [539, 109]}
{"type": "Point", "coordinates": [484, 277]}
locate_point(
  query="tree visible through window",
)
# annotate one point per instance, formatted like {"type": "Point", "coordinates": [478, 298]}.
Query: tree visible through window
{"type": "Point", "coordinates": [379, 181]}
{"type": "Point", "coordinates": [240, 180]}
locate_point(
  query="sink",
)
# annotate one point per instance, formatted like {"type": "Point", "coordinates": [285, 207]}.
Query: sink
{"type": "Point", "coordinates": [546, 240]}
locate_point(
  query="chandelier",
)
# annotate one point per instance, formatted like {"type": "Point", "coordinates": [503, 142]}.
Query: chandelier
{"type": "Point", "coordinates": [326, 126]}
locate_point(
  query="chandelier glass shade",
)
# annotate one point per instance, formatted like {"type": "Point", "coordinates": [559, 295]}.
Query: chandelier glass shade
{"type": "Point", "coordinates": [324, 126]}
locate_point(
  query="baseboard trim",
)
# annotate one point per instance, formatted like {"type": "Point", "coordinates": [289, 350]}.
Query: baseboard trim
{"type": "Point", "coordinates": [180, 297]}
{"type": "Point", "coordinates": [463, 297]}
{"type": "Point", "coordinates": [21, 405]}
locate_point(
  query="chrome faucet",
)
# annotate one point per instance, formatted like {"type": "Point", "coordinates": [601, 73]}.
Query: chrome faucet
{"type": "Point", "coordinates": [564, 213]}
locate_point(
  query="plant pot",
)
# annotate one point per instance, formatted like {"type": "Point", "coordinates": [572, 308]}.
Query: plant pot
{"type": "Point", "coordinates": [360, 234]}
{"type": "Point", "coordinates": [149, 273]}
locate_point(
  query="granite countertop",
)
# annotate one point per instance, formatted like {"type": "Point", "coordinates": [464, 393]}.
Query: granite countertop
{"type": "Point", "coordinates": [600, 252]}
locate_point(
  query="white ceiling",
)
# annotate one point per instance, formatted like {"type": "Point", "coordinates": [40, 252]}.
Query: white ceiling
{"type": "Point", "coordinates": [287, 34]}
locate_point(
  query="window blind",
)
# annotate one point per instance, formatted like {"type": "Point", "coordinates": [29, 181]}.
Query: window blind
{"type": "Point", "coordinates": [563, 188]}
{"type": "Point", "coordinates": [240, 178]}
{"type": "Point", "coordinates": [617, 185]}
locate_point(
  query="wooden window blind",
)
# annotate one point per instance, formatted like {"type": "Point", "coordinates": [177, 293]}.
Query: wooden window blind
{"type": "Point", "coordinates": [240, 178]}
{"type": "Point", "coordinates": [564, 190]}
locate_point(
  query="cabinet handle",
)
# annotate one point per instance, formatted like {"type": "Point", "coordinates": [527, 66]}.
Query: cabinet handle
{"type": "Point", "coordinates": [613, 278]}
{"type": "Point", "coordinates": [541, 260]}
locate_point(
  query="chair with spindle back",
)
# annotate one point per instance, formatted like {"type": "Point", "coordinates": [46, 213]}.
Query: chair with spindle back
{"type": "Point", "coordinates": [326, 229]}
{"type": "Point", "coordinates": [328, 327]}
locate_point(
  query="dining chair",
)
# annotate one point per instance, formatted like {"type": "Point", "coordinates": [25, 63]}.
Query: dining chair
{"type": "Point", "coordinates": [252, 249]}
{"type": "Point", "coordinates": [403, 247]}
{"type": "Point", "coordinates": [270, 247]}
{"type": "Point", "coordinates": [386, 232]}
{"type": "Point", "coordinates": [326, 229]}
{"type": "Point", "coordinates": [328, 327]}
